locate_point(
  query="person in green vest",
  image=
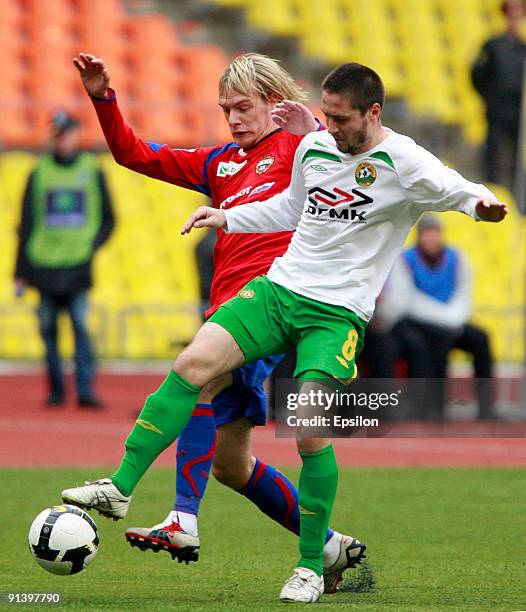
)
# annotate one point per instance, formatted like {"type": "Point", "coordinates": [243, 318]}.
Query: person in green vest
{"type": "Point", "coordinates": [66, 216]}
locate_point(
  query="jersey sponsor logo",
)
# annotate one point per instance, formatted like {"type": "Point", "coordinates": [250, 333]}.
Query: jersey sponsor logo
{"type": "Point", "coordinates": [246, 294]}
{"type": "Point", "coordinates": [305, 511]}
{"type": "Point", "coordinates": [239, 194]}
{"type": "Point", "coordinates": [365, 174]}
{"type": "Point", "coordinates": [229, 168]}
{"type": "Point", "coordinates": [319, 168]}
{"type": "Point", "coordinates": [264, 164]}
{"type": "Point", "coordinates": [245, 192]}
{"type": "Point", "coordinates": [263, 187]}
{"type": "Point", "coordinates": [322, 201]}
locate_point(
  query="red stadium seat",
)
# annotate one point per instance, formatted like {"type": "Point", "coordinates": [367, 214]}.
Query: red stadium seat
{"type": "Point", "coordinates": [164, 125]}
{"type": "Point", "coordinates": [203, 65]}
{"type": "Point", "coordinates": [169, 91]}
{"type": "Point", "coordinates": [12, 38]}
{"type": "Point", "coordinates": [11, 12]}
{"type": "Point", "coordinates": [49, 24]}
{"type": "Point", "coordinates": [108, 42]}
{"type": "Point", "coordinates": [153, 31]}
{"type": "Point", "coordinates": [14, 57]}
{"type": "Point", "coordinates": [16, 128]}
{"type": "Point", "coordinates": [106, 10]}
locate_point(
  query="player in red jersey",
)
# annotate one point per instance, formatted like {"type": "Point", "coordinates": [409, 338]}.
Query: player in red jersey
{"type": "Point", "coordinates": [258, 97]}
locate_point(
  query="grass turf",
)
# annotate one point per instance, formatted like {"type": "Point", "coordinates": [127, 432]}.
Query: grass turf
{"type": "Point", "coordinates": [437, 540]}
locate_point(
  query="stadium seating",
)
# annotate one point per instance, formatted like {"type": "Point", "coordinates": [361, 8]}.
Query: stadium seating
{"type": "Point", "coordinates": [168, 89]}
{"type": "Point", "coordinates": [146, 283]}
{"type": "Point", "coordinates": [422, 48]}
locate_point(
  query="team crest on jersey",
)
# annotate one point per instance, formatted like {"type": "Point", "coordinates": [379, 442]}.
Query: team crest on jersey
{"type": "Point", "coordinates": [229, 168]}
{"type": "Point", "coordinates": [246, 294]}
{"type": "Point", "coordinates": [365, 174]}
{"type": "Point", "coordinates": [264, 164]}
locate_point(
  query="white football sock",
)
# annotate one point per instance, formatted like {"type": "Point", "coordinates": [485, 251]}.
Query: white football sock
{"type": "Point", "coordinates": [187, 521]}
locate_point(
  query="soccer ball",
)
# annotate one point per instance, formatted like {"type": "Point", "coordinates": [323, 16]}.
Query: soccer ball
{"type": "Point", "coordinates": [63, 539]}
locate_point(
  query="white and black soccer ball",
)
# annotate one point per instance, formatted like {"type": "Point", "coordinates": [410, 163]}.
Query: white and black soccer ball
{"type": "Point", "coordinates": [63, 539]}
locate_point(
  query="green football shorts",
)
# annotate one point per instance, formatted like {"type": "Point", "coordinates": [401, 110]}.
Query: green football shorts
{"type": "Point", "coordinates": [267, 319]}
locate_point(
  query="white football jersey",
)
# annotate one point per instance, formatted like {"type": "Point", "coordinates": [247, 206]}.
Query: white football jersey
{"type": "Point", "coordinates": [352, 214]}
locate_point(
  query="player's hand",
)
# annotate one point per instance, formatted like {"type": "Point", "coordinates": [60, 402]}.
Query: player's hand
{"type": "Point", "coordinates": [205, 217]}
{"type": "Point", "coordinates": [294, 117]}
{"type": "Point", "coordinates": [491, 210]}
{"type": "Point", "coordinates": [94, 74]}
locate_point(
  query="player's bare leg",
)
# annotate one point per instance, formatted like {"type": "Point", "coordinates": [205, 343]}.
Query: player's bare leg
{"type": "Point", "coordinates": [233, 461]}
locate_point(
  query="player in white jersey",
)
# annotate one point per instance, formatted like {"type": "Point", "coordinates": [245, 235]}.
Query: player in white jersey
{"type": "Point", "coordinates": [356, 190]}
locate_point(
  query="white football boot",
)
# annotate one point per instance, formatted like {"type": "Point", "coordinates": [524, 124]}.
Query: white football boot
{"type": "Point", "coordinates": [304, 586]}
{"type": "Point", "coordinates": [101, 495]}
{"type": "Point", "coordinates": [170, 535]}
{"type": "Point", "coordinates": [340, 554]}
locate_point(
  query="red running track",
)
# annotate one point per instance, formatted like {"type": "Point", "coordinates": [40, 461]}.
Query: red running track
{"type": "Point", "coordinates": [33, 435]}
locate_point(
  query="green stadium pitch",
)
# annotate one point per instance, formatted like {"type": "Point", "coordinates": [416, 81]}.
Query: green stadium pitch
{"type": "Point", "coordinates": [438, 539]}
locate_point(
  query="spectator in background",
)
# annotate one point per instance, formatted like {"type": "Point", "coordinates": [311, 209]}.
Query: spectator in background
{"type": "Point", "coordinates": [381, 349]}
{"type": "Point", "coordinates": [434, 282]}
{"type": "Point", "coordinates": [497, 75]}
{"type": "Point", "coordinates": [66, 216]}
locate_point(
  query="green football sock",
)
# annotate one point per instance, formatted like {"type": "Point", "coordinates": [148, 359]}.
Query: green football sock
{"type": "Point", "coordinates": [162, 419]}
{"type": "Point", "coordinates": [317, 491]}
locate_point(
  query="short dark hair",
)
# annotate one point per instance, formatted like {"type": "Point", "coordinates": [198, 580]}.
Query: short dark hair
{"type": "Point", "coordinates": [62, 121]}
{"type": "Point", "coordinates": [359, 83]}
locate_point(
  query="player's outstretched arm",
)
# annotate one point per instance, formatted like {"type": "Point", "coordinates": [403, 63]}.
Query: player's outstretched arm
{"type": "Point", "coordinates": [205, 216]}
{"type": "Point", "coordinates": [178, 166]}
{"type": "Point", "coordinates": [432, 186]}
{"type": "Point", "coordinates": [94, 74]}
{"type": "Point", "coordinates": [294, 117]}
{"type": "Point", "coordinates": [491, 210]}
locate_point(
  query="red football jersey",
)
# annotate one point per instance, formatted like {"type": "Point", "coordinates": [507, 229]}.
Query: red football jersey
{"type": "Point", "coordinates": [229, 175]}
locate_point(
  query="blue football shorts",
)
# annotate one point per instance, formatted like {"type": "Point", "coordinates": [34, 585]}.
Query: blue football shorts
{"type": "Point", "coordinates": [245, 397]}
